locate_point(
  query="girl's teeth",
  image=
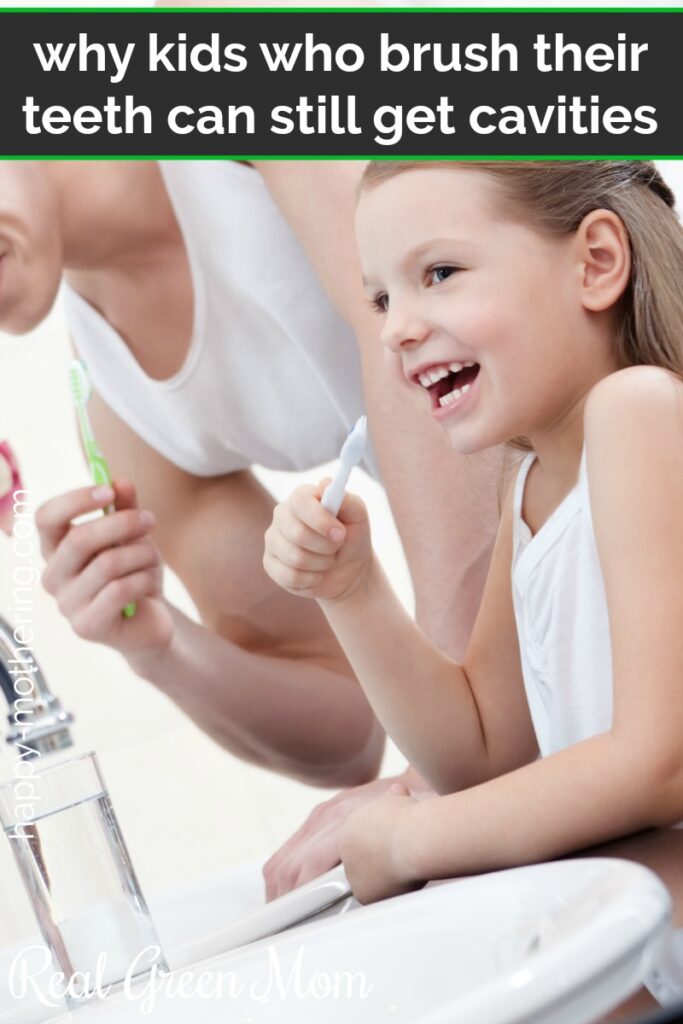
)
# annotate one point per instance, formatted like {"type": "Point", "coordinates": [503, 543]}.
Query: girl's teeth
{"type": "Point", "coordinates": [451, 397]}
{"type": "Point", "coordinates": [431, 377]}
{"type": "Point", "coordinates": [454, 395]}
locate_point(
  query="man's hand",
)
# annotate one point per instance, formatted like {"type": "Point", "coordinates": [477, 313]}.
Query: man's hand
{"type": "Point", "coordinates": [94, 568]}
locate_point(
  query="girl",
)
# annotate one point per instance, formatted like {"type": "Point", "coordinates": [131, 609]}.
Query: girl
{"type": "Point", "coordinates": [539, 304]}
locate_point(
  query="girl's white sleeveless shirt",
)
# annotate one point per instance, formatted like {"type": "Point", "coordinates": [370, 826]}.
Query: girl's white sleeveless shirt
{"type": "Point", "coordinates": [561, 614]}
{"type": "Point", "coordinates": [563, 627]}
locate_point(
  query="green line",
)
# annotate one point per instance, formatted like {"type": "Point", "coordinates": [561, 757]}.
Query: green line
{"type": "Point", "coordinates": [260, 157]}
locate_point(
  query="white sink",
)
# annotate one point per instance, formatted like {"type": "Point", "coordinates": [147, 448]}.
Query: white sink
{"type": "Point", "coordinates": [555, 943]}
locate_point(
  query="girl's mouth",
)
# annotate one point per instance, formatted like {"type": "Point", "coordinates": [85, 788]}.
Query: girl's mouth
{"type": "Point", "coordinates": [447, 383]}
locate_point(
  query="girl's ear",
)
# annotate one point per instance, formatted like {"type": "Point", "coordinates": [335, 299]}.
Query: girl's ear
{"type": "Point", "coordinates": [605, 259]}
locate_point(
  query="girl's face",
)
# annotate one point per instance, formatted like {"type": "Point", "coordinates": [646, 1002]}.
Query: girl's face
{"type": "Point", "coordinates": [484, 312]}
{"type": "Point", "coordinates": [30, 246]}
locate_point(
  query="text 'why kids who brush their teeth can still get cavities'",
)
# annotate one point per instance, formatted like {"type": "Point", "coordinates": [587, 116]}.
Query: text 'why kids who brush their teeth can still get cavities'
{"type": "Point", "coordinates": [319, 83]}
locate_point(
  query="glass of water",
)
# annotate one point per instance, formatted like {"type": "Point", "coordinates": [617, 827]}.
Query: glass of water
{"type": "Point", "coordinates": [78, 873]}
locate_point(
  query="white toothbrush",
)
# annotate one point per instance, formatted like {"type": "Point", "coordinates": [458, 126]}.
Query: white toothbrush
{"type": "Point", "coordinates": [351, 454]}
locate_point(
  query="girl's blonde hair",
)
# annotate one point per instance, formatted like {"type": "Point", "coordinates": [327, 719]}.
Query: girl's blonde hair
{"type": "Point", "coordinates": [556, 196]}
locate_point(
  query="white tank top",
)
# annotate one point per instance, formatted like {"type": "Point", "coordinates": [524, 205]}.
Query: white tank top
{"type": "Point", "coordinates": [562, 623]}
{"type": "Point", "coordinates": [272, 374]}
{"type": "Point", "coordinates": [562, 620]}
{"type": "Point", "coordinates": [561, 613]}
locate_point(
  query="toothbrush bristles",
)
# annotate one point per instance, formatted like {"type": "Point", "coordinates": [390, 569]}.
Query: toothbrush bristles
{"type": "Point", "coordinates": [78, 382]}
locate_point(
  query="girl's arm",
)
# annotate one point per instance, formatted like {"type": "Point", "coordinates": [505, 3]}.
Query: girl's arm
{"type": "Point", "coordinates": [458, 725]}
{"type": "Point", "coordinates": [620, 782]}
{"type": "Point", "coordinates": [591, 792]}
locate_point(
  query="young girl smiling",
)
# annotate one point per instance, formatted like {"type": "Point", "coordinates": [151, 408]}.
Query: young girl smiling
{"type": "Point", "coordinates": [539, 304]}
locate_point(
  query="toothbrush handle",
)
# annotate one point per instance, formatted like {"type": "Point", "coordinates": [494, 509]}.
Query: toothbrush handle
{"type": "Point", "coordinates": [102, 477]}
{"type": "Point", "coordinates": [334, 492]}
{"type": "Point", "coordinates": [100, 474]}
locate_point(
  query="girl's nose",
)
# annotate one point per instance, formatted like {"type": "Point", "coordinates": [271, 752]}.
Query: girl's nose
{"type": "Point", "coordinates": [403, 330]}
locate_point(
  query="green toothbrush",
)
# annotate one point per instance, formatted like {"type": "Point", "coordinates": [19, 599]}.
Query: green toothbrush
{"type": "Point", "coordinates": [80, 392]}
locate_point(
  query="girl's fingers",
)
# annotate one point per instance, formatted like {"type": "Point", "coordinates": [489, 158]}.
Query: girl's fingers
{"type": "Point", "coordinates": [297, 532]}
{"type": "Point", "coordinates": [305, 504]}
{"type": "Point", "coordinates": [287, 577]}
{"type": "Point", "coordinates": [94, 621]}
{"type": "Point", "coordinates": [352, 510]}
{"type": "Point", "coordinates": [109, 565]}
{"type": "Point", "coordinates": [83, 542]}
{"type": "Point", "coordinates": [296, 557]}
{"type": "Point", "coordinates": [53, 519]}
{"type": "Point", "coordinates": [304, 521]}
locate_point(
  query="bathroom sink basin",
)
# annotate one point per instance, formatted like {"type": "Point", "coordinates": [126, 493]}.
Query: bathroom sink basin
{"type": "Point", "coordinates": [556, 943]}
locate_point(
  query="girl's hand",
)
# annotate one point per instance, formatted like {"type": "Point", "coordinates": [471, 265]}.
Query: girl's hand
{"type": "Point", "coordinates": [314, 847]}
{"type": "Point", "coordinates": [311, 553]}
{"type": "Point", "coordinates": [373, 847]}
{"type": "Point", "coordinates": [93, 569]}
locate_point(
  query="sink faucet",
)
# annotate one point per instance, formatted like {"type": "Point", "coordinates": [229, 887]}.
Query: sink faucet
{"type": "Point", "coordinates": [36, 718]}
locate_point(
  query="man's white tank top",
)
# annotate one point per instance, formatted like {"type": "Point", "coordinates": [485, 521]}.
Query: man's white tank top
{"type": "Point", "coordinates": [272, 374]}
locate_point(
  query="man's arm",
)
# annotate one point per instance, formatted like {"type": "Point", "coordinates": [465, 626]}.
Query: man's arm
{"type": "Point", "coordinates": [264, 674]}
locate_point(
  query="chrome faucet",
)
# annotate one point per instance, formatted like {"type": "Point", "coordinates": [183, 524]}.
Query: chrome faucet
{"type": "Point", "coordinates": [37, 721]}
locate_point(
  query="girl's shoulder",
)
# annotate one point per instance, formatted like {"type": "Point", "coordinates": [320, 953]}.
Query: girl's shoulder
{"type": "Point", "coordinates": [646, 385]}
{"type": "Point", "coordinates": [633, 438]}
{"type": "Point", "coordinates": [642, 401]}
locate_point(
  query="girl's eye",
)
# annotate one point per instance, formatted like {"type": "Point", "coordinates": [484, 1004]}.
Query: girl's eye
{"type": "Point", "coordinates": [380, 302]}
{"type": "Point", "coordinates": [438, 274]}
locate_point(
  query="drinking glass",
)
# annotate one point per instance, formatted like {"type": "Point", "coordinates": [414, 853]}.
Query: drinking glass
{"type": "Point", "coordinates": [78, 873]}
